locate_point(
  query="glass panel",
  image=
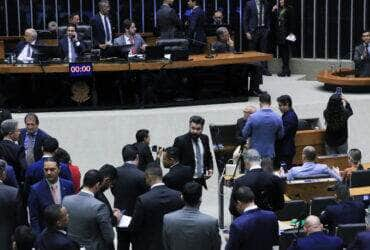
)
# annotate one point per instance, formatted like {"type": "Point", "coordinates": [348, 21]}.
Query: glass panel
{"type": "Point", "coordinates": [345, 25]}
{"type": "Point", "coordinates": [333, 28]}
{"type": "Point", "coordinates": [2, 18]}
{"type": "Point", "coordinates": [320, 29]}
{"type": "Point", "coordinates": [358, 17]}
{"type": "Point", "coordinates": [308, 29]}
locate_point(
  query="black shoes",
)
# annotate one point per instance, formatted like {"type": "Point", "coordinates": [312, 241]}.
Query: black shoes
{"type": "Point", "coordinates": [284, 73]}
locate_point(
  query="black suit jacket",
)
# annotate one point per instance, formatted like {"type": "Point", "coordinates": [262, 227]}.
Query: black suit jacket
{"type": "Point", "coordinates": [14, 155]}
{"type": "Point", "coordinates": [56, 240]}
{"type": "Point", "coordinates": [145, 155]}
{"type": "Point", "coordinates": [129, 185]}
{"type": "Point", "coordinates": [250, 15]}
{"type": "Point", "coordinates": [178, 176]}
{"type": "Point", "coordinates": [63, 48]}
{"type": "Point", "coordinates": [240, 123]}
{"type": "Point", "coordinates": [168, 22]}
{"type": "Point", "coordinates": [147, 221]}
{"type": "Point", "coordinates": [267, 188]}
{"type": "Point", "coordinates": [98, 33]}
{"type": "Point", "coordinates": [362, 61]}
{"type": "Point", "coordinates": [40, 137]}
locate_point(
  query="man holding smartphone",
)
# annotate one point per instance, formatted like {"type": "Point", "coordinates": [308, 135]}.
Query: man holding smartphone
{"type": "Point", "coordinates": [70, 47]}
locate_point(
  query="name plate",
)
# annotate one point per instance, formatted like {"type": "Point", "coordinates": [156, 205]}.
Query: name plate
{"type": "Point", "coordinates": [80, 69]}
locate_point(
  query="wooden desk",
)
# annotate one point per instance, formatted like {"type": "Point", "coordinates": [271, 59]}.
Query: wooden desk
{"type": "Point", "coordinates": [344, 77]}
{"type": "Point", "coordinates": [194, 61]}
{"type": "Point", "coordinates": [340, 161]}
{"type": "Point", "coordinates": [308, 189]}
{"type": "Point", "coordinates": [359, 191]}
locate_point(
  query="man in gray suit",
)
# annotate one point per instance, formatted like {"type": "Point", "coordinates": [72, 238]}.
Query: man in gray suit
{"type": "Point", "coordinates": [8, 205]}
{"type": "Point", "coordinates": [168, 21]}
{"type": "Point", "coordinates": [89, 220]}
{"type": "Point", "coordinates": [130, 37]}
{"type": "Point", "coordinates": [188, 228]}
{"type": "Point", "coordinates": [362, 56]}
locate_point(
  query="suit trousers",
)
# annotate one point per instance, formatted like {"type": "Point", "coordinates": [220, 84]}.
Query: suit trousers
{"type": "Point", "coordinates": [284, 51]}
{"type": "Point", "coordinates": [260, 42]}
{"type": "Point", "coordinates": [124, 239]}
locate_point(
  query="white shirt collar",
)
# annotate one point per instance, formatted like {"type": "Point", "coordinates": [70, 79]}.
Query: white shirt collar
{"type": "Point", "coordinates": [255, 167]}
{"type": "Point", "coordinates": [63, 232]}
{"type": "Point", "coordinates": [250, 208]}
{"type": "Point", "coordinates": [47, 155]}
{"type": "Point", "coordinates": [84, 190]}
{"type": "Point", "coordinates": [157, 185]}
{"type": "Point", "coordinates": [33, 42]}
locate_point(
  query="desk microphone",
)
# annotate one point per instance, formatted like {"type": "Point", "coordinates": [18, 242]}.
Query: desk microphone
{"type": "Point", "coordinates": [210, 53]}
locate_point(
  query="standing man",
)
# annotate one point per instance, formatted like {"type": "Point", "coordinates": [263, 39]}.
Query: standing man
{"type": "Point", "coordinates": [188, 228]}
{"type": "Point", "coordinates": [75, 18]}
{"type": "Point", "coordinates": [285, 147]}
{"type": "Point", "coordinates": [194, 150]}
{"type": "Point", "coordinates": [25, 50]}
{"type": "Point", "coordinates": [142, 145]}
{"type": "Point", "coordinates": [254, 229]}
{"type": "Point", "coordinates": [89, 223]}
{"type": "Point", "coordinates": [101, 27]}
{"type": "Point", "coordinates": [130, 37]}
{"type": "Point", "coordinates": [196, 26]}
{"type": "Point", "coordinates": [129, 185]}
{"type": "Point", "coordinates": [257, 26]}
{"type": "Point", "coordinates": [31, 138]}
{"type": "Point", "coordinates": [48, 191]}
{"type": "Point", "coordinates": [70, 47]}
{"type": "Point", "coordinates": [264, 127]}
{"type": "Point", "coordinates": [147, 221]}
{"type": "Point", "coordinates": [168, 21]}
{"type": "Point", "coordinates": [362, 56]}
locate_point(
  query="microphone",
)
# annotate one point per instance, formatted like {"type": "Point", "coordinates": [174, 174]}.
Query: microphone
{"type": "Point", "coordinates": [210, 53]}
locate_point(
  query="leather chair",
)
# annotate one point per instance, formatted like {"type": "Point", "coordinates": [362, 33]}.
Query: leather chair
{"type": "Point", "coordinates": [348, 232]}
{"type": "Point", "coordinates": [293, 209]}
{"type": "Point", "coordinates": [319, 204]}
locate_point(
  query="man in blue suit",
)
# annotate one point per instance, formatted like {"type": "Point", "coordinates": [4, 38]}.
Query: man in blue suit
{"type": "Point", "coordinates": [254, 229]}
{"type": "Point", "coordinates": [101, 27]}
{"type": "Point", "coordinates": [316, 239]}
{"type": "Point", "coordinates": [345, 212]}
{"type": "Point", "coordinates": [48, 191]}
{"type": "Point", "coordinates": [31, 138]}
{"type": "Point", "coordinates": [70, 47]}
{"type": "Point", "coordinates": [196, 25]}
{"type": "Point", "coordinates": [54, 236]}
{"type": "Point", "coordinates": [361, 242]}
{"type": "Point", "coordinates": [10, 178]}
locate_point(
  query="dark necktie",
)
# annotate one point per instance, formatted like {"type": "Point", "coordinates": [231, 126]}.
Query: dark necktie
{"type": "Point", "coordinates": [260, 18]}
{"type": "Point", "coordinates": [29, 50]}
{"type": "Point", "coordinates": [107, 33]}
{"type": "Point", "coordinates": [198, 157]}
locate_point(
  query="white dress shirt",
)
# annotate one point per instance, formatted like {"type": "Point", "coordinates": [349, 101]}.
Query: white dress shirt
{"type": "Point", "coordinates": [23, 55]}
{"type": "Point", "coordinates": [109, 28]}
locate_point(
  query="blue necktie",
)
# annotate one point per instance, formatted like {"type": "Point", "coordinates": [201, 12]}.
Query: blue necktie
{"type": "Point", "coordinates": [107, 33]}
{"type": "Point", "coordinates": [29, 50]}
{"type": "Point", "coordinates": [199, 163]}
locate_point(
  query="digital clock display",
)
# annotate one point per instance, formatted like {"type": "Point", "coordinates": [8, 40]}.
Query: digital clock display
{"type": "Point", "coordinates": [80, 69]}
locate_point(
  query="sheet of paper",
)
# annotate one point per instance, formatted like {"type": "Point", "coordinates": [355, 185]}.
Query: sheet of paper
{"type": "Point", "coordinates": [291, 38]}
{"type": "Point", "coordinates": [125, 221]}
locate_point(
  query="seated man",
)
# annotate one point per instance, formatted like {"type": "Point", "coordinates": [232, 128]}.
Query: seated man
{"type": "Point", "coordinates": [354, 160]}
{"type": "Point", "coordinates": [346, 211]}
{"type": "Point", "coordinates": [25, 50]}
{"type": "Point", "coordinates": [310, 168]}
{"type": "Point", "coordinates": [70, 47]}
{"type": "Point", "coordinates": [316, 239]}
{"type": "Point", "coordinates": [130, 37]}
{"type": "Point", "coordinates": [361, 241]}
{"type": "Point", "coordinates": [225, 44]}
{"type": "Point", "coordinates": [362, 56]}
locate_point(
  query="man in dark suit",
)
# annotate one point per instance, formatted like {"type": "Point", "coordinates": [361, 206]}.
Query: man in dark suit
{"type": "Point", "coordinates": [25, 50]}
{"type": "Point", "coordinates": [8, 210]}
{"type": "Point", "coordinates": [142, 145]}
{"type": "Point", "coordinates": [196, 26]}
{"type": "Point", "coordinates": [147, 220]}
{"type": "Point", "coordinates": [70, 48]}
{"type": "Point", "coordinates": [254, 229]}
{"type": "Point", "coordinates": [48, 191]}
{"type": "Point", "coordinates": [31, 138]}
{"type": "Point", "coordinates": [345, 212]}
{"type": "Point", "coordinates": [361, 242]}
{"type": "Point", "coordinates": [101, 27]}
{"type": "Point", "coordinates": [11, 152]}
{"type": "Point", "coordinates": [267, 188]}
{"type": "Point", "coordinates": [129, 185]}
{"type": "Point", "coordinates": [168, 22]}
{"type": "Point", "coordinates": [10, 178]}
{"type": "Point", "coordinates": [179, 174]}
{"type": "Point", "coordinates": [194, 150]}
{"type": "Point", "coordinates": [54, 236]}
{"type": "Point", "coordinates": [257, 26]}
{"type": "Point", "coordinates": [285, 147]}
{"type": "Point", "coordinates": [240, 123]}
{"type": "Point", "coordinates": [316, 239]}
{"type": "Point", "coordinates": [362, 56]}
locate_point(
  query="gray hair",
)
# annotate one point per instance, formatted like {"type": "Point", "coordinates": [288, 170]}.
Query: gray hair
{"type": "Point", "coordinates": [8, 126]}
{"type": "Point", "coordinates": [251, 155]}
{"type": "Point", "coordinates": [2, 167]}
{"type": "Point", "coordinates": [310, 153]}
{"type": "Point", "coordinates": [32, 32]}
{"type": "Point", "coordinates": [220, 31]}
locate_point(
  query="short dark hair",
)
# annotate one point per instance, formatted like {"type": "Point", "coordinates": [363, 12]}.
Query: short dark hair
{"type": "Point", "coordinates": [24, 237]}
{"type": "Point", "coordinates": [62, 156]}
{"type": "Point", "coordinates": [5, 115]}
{"type": "Point", "coordinates": [244, 194]}
{"type": "Point", "coordinates": [50, 144]}
{"type": "Point", "coordinates": [51, 159]}
{"type": "Point", "coordinates": [52, 214]}
{"type": "Point", "coordinates": [265, 97]}
{"type": "Point", "coordinates": [173, 152]}
{"type": "Point", "coordinates": [71, 25]}
{"type": "Point", "coordinates": [108, 170]}
{"type": "Point", "coordinates": [192, 193]}
{"type": "Point", "coordinates": [197, 120]}
{"type": "Point", "coordinates": [141, 135]}
{"type": "Point", "coordinates": [354, 155]}
{"type": "Point", "coordinates": [129, 152]}
{"type": "Point", "coordinates": [32, 115]}
{"type": "Point", "coordinates": [342, 192]}
{"type": "Point", "coordinates": [127, 23]}
{"type": "Point", "coordinates": [91, 178]}
{"type": "Point", "coordinates": [152, 165]}
{"type": "Point", "coordinates": [154, 171]}
{"type": "Point", "coordinates": [285, 100]}
{"type": "Point", "coordinates": [73, 14]}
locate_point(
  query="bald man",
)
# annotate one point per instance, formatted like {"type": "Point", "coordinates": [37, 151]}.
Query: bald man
{"type": "Point", "coordinates": [247, 111]}
{"type": "Point", "coordinates": [316, 239]}
{"type": "Point", "coordinates": [25, 49]}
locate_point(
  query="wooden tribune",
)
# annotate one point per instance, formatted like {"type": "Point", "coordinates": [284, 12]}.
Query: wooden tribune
{"type": "Point", "coordinates": [310, 188]}
{"type": "Point", "coordinates": [342, 77]}
{"type": "Point", "coordinates": [305, 138]}
{"type": "Point", "coordinates": [340, 161]}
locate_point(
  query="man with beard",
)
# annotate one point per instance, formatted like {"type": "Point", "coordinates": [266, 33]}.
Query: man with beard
{"type": "Point", "coordinates": [194, 150]}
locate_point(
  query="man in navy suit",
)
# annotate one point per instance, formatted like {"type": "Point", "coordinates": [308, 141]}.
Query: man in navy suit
{"type": "Point", "coordinates": [196, 25]}
{"type": "Point", "coordinates": [257, 26]}
{"type": "Point", "coordinates": [168, 21]}
{"type": "Point", "coordinates": [345, 212]}
{"type": "Point", "coordinates": [48, 191]}
{"type": "Point", "coordinates": [101, 27]}
{"type": "Point", "coordinates": [254, 229]}
{"type": "Point", "coordinates": [285, 147]}
{"type": "Point", "coordinates": [25, 50]}
{"type": "Point", "coordinates": [70, 47]}
{"type": "Point", "coordinates": [10, 178]}
{"type": "Point", "coordinates": [361, 242]}
{"type": "Point", "coordinates": [316, 239]}
{"type": "Point", "coordinates": [31, 138]}
{"type": "Point", "coordinates": [55, 236]}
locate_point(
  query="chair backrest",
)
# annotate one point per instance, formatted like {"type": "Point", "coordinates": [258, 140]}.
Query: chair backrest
{"type": "Point", "coordinates": [360, 178]}
{"type": "Point", "coordinates": [316, 176]}
{"type": "Point", "coordinates": [83, 31]}
{"type": "Point", "coordinates": [293, 209]}
{"type": "Point", "coordinates": [319, 204]}
{"type": "Point", "coordinates": [348, 232]}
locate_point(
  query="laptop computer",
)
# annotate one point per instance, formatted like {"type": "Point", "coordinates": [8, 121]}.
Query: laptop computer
{"type": "Point", "coordinates": [154, 53]}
